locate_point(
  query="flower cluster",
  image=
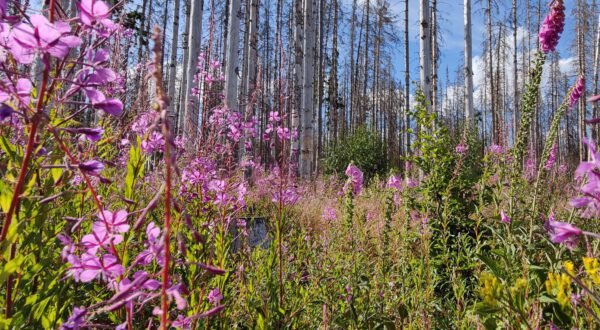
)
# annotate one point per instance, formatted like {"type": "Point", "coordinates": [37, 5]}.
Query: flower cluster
{"type": "Point", "coordinates": [355, 179]}
{"type": "Point", "coordinates": [577, 91]}
{"type": "Point", "coordinates": [552, 27]}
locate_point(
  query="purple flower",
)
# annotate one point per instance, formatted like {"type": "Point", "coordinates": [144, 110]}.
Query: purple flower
{"type": "Point", "coordinates": [274, 117]}
{"type": "Point", "coordinates": [76, 320]}
{"type": "Point", "coordinates": [154, 246]}
{"type": "Point", "coordinates": [551, 158]}
{"type": "Point", "coordinates": [504, 218]}
{"type": "Point", "coordinates": [92, 134]}
{"type": "Point", "coordinates": [41, 36]}
{"type": "Point", "coordinates": [114, 222]}
{"type": "Point", "coordinates": [91, 167]}
{"type": "Point", "coordinates": [88, 267]}
{"type": "Point", "coordinates": [577, 91]}
{"type": "Point", "coordinates": [461, 149]}
{"type": "Point", "coordinates": [92, 11]}
{"type": "Point", "coordinates": [5, 111]}
{"type": "Point", "coordinates": [100, 238]}
{"type": "Point", "coordinates": [496, 149]}
{"type": "Point", "coordinates": [394, 182]}
{"type": "Point", "coordinates": [329, 214]}
{"type": "Point", "coordinates": [561, 232]}
{"type": "Point", "coordinates": [552, 27]}
{"type": "Point", "coordinates": [182, 322]}
{"type": "Point", "coordinates": [22, 91]}
{"type": "Point", "coordinates": [215, 296]}
{"type": "Point", "coordinates": [154, 142]}
{"type": "Point", "coordinates": [112, 107]}
{"type": "Point", "coordinates": [175, 292]}
{"type": "Point", "coordinates": [355, 177]}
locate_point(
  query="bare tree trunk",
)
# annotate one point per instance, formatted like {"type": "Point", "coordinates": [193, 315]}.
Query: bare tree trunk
{"type": "Point", "coordinates": [333, 79]}
{"type": "Point", "coordinates": [352, 69]}
{"type": "Point", "coordinates": [434, 57]}
{"type": "Point", "coordinates": [191, 103]}
{"type": "Point", "coordinates": [365, 82]}
{"type": "Point", "coordinates": [406, 84]}
{"type": "Point", "coordinates": [469, 113]}
{"type": "Point", "coordinates": [298, 56]}
{"type": "Point", "coordinates": [184, 70]}
{"type": "Point", "coordinates": [490, 74]}
{"type": "Point", "coordinates": [424, 52]}
{"type": "Point", "coordinates": [252, 53]}
{"type": "Point", "coordinates": [596, 62]}
{"type": "Point", "coordinates": [306, 157]}
{"type": "Point", "coordinates": [231, 64]}
{"type": "Point", "coordinates": [173, 59]}
{"type": "Point", "coordinates": [515, 71]}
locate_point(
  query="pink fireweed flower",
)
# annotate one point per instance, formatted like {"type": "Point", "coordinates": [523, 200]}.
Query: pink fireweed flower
{"type": "Point", "coordinates": [394, 182]}
{"type": "Point", "coordinates": [355, 177]}
{"type": "Point", "coordinates": [5, 111]}
{"type": "Point", "coordinates": [92, 134]}
{"type": "Point", "coordinates": [76, 320]}
{"type": "Point", "coordinates": [283, 133]}
{"type": "Point", "coordinates": [504, 218]}
{"type": "Point", "coordinates": [88, 267]}
{"type": "Point", "coordinates": [562, 233]}
{"type": "Point", "coordinates": [577, 91]}
{"type": "Point", "coordinates": [91, 167]}
{"type": "Point", "coordinates": [590, 200]}
{"type": "Point", "coordinates": [22, 91]}
{"type": "Point", "coordinates": [496, 149]}
{"type": "Point", "coordinates": [215, 296]}
{"type": "Point", "coordinates": [154, 247]}
{"type": "Point", "coordinates": [41, 36]}
{"type": "Point", "coordinates": [274, 117]}
{"type": "Point", "coordinates": [329, 214]}
{"type": "Point", "coordinates": [95, 14]}
{"type": "Point", "coordinates": [461, 149]}
{"type": "Point", "coordinates": [114, 222]}
{"type": "Point", "coordinates": [175, 292]}
{"type": "Point", "coordinates": [552, 27]}
{"type": "Point", "coordinates": [112, 107]}
{"type": "Point", "coordinates": [100, 238]}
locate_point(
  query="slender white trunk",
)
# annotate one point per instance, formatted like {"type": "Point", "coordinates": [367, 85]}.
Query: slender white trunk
{"type": "Point", "coordinates": [424, 51]}
{"type": "Point", "coordinates": [173, 59]}
{"type": "Point", "coordinates": [231, 65]}
{"type": "Point", "coordinates": [469, 113]}
{"type": "Point", "coordinates": [252, 55]}
{"type": "Point", "coordinates": [295, 113]}
{"type": "Point", "coordinates": [191, 103]}
{"type": "Point", "coordinates": [306, 155]}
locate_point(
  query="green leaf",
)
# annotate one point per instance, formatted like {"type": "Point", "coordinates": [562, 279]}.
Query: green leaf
{"type": "Point", "coordinates": [492, 264]}
{"type": "Point", "coordinates": [6, 194]}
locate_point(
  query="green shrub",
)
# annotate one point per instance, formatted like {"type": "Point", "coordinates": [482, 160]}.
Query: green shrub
{"type": "Point", "coordinates": [364, 148]}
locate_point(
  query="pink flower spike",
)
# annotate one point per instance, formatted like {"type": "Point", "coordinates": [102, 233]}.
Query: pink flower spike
{"type": "Point", "coordinates": [355, 177]}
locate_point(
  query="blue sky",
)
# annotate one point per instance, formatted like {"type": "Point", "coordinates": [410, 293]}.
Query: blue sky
{"type": "Point", "coordinates": [451, 24]}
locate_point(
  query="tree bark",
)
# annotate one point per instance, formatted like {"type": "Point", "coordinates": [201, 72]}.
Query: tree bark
{"type": "Point", "coordinates": [469, 113]}
{"type": "Point", "coordinates": [424, 52]}
{"type": "Point", "coordinates": [191, 102]}
{"type": "Point", "coordinates": [306, 157]}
